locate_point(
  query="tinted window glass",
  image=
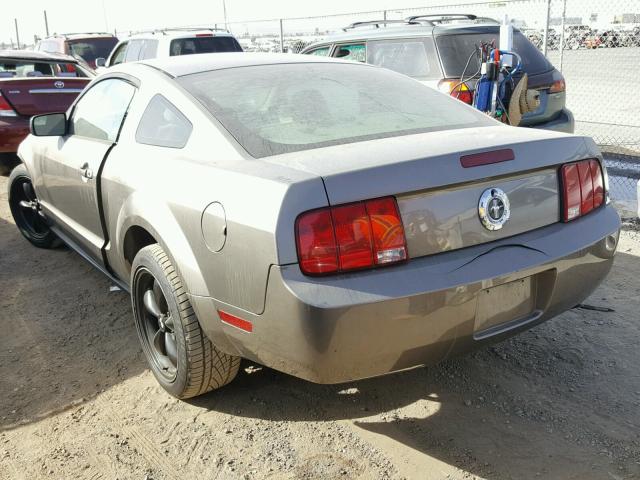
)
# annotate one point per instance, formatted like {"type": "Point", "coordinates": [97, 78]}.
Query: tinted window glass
{"type": "Point", "coordinates": [100, 111]}
{"type": "Point", "coordinates": [274, 109]}
{"type": "Point", "coordinates": [91, 48]}
{"type": "Point", "coordinates": [455, 51]}
{"type": "Point", "coordinates": [21, 69]}
{"type": "Point", "coordinates": [149, 49]}
{"type": "Point", "coordinates": [322, 51]}
{"type": "Point", "coordinates": [355, 53]}
{"type": "Point", "coordinates": [412, 57]}
{"type": "Point", "coordinates": [163, 125]}
{"type": "Point", "coordinates": [189, 46]}
{"type": "Point", "coordinates": [118, 56]}
{"type": "Point", "coordinates": [133, 52]}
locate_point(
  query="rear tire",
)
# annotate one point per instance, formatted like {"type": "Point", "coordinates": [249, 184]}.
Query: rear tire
{"type": "Point", "coordinates": [181, 357]}
{"type": "Point", "coordinates": [25, 209]}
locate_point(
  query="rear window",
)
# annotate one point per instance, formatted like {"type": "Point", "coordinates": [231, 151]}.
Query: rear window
{"type": "Point", "coordinates": [455, 50]}
{"type": "Point", "coordinates": [414, 57]}
{"type": "Point", "coordinates": [92, 48]}
{"type": "Point", "coordinates": [189, 46]}
{"type": "Point", "coordinates": [275, 109]}
{"type": "Point", "coordinates": [27, 69]}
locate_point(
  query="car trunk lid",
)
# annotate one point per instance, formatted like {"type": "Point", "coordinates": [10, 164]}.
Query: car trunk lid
{"type": "Point", "coordinates": [33, 96]}
{"type": "Point", "coordinates": [438, 197]}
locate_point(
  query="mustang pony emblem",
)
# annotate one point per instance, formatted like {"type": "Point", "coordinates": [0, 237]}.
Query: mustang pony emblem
{"type": "Point", "coordinates": [493, 209]}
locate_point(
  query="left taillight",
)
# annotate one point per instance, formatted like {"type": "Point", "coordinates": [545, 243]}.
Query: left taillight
{"type": "Point", "coordinates": [350, 237]}
{"type": "Point", "coordinates": [5, 109]}
{"type": "Point", "coordinates": [458, 90]}
{"type": "Point", "coordinates": [582, 188]}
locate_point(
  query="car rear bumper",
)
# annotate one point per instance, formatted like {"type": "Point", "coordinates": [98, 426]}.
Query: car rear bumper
{"type": "Point", "coordinates": [562, 123]}
{"type": "Point", "coordinates": [347, 327]}
{"type": "Point", "coordinates": [12, 131]}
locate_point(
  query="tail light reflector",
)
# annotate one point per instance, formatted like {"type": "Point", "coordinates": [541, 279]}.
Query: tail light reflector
{"type": "Point", "coordinates": [557, 86]}
{"type": "Point", "coordinates": [458, 90]}
{"type": "Point", "coordinates": [350, 237]}
{"type": "Point", "coordinates": [5, 109]}
{"type": "Point", "coordinates": [583, 188]}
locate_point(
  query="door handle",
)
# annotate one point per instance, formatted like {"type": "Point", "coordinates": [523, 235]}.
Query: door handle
{"type": "Point", "coordinates": [86, 171]}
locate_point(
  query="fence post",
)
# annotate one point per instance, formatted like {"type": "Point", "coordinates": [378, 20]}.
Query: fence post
{"type": "Point", "coordinates": [281, 37]}
{"type": "Point", "coordinates": [384, 14]}
{"type": "Point", "coordinates": [545, 43]}
{"type": "Point", "coordinates": [564, 14]}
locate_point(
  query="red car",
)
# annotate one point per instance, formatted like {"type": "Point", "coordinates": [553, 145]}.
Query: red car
{"type": "Point", "coordinates": [32, 83]}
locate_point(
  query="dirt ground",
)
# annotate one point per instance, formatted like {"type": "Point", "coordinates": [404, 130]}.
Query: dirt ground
{"type": "Point", "coordinates": [76, 400]}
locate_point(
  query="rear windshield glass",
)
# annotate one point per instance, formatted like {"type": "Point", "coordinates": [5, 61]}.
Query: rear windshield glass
{"type": "Point", "coordinates": [455, 51]}
{"type": "Point", "coordinates": [92, 48]}
{"type": "Point", "coordinates": [188, 46]}
{"type": "Point", "coordinates": [274, 109]}
{"type": "Point", "coordinates": [411, 56]}
{"type": "Point", "coordinates": [25, 69]}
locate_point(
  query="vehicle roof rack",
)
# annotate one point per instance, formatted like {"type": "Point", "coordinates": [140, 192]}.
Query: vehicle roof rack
{"type": "Point", "coordinates": [179, 29]}
{"type": "Point", "coordinates": [434, 19]}
{"type": "Point", "coordinates": [80, 33]}
{"type": "Point", "coordinates": [377, 23]}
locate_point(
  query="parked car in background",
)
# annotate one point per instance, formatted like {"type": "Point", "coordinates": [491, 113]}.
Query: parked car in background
{"type": "Point", "coordinates": [88, 46]}
{"type": "Point", "coordinates": [171, 42]}
{"type": "Point", "coordinates": [32, 83]}
{"type": "Point", "coordinates": [435, 48]}
{"type": "Point", "coordinates": [328, 219]}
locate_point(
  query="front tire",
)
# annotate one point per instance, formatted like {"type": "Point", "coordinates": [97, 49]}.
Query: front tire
{"type": "Point", "coordinates": [181, 357]}
{"type": "Point", "coordinates": [25, 209]}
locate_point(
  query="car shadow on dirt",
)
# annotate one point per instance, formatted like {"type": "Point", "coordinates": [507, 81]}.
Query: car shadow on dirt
{"type": "Point", "coordinates": [65, 336]}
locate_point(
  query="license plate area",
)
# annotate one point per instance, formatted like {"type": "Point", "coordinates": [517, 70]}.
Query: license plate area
{"type": "Point", "coordinates": [505, 304]}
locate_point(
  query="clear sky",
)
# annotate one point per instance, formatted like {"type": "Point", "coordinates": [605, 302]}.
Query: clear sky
{"type": "Point", "coordinates": [100, 15]}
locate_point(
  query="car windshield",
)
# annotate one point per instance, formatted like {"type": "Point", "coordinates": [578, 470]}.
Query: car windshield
{"type": "Point", "coordinates": [456, 49]}
{"type": "Point", "coordinates": [274, 109]}
{"type": "Point", "coordinates": [204, 44]}
{"type": "Point", "coordinates": [91, 48]}
{"type": "Point", "coordinates": [10, 68]}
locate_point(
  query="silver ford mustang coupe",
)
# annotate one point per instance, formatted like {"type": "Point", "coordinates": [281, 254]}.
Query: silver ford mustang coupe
{"type": "Point", "coordinates": [328, 219]}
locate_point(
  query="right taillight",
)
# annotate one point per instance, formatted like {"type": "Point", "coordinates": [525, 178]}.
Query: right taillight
{"type": "Point", "coordinates": [582, 188]}
{"type": "Point", "coordinates": [5, 109]}
{"type": "Point", "coordinates": [350, 237]}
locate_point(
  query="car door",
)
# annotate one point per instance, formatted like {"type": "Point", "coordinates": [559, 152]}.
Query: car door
{"type": "Point", "coordinates": [71, 164]}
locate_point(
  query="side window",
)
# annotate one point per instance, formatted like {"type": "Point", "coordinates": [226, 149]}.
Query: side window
{"type": "Point", "coordinates": [118, 56]}
{"type": "Point", "coordinates": [355, 52]}
{"type": "Point", "coordinates": [133, 52]}
{"type": "Point", "coordinates": [321, 51]}
{"type": "Point", "coordinates": [163, 125]}
{"type": "Point", "coordinates": [101, 110]}
{"type": "Point", "coordinates": [414, 57]}
{"type": "Point", "coordinates": [149, 50]}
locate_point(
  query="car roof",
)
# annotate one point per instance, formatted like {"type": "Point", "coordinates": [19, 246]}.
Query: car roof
{"type": "Point", "coordinates": [171, 33]}
{"type": "Point", "coordinates": [407, 30]}
{"type": "Point", "coordinates": [41, 56]}
{"type": "Point", "coordinates": [79, 36]}
{"type": "Point", "coordinates": [181, 65]}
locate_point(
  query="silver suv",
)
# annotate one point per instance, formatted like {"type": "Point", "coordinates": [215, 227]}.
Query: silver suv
{"type": "Point", "coordinates": [435, 48]}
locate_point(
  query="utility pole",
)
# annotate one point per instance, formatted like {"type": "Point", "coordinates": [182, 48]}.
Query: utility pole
{"type": "Point", "coordinates": [224, 10]}
{"type": "Point", "coordinates": [17, 34]}
{"type": "Point", "coordinates": [104, 14]}
{"type": "Point", "coordinates": [46, 23]}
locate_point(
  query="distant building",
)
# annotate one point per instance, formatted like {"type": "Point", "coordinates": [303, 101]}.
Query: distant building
{"type": "Point", "coordinates": [627, 18]}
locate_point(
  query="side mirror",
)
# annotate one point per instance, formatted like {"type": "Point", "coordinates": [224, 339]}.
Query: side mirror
{"type": "Point", "coordinates": [49, 125]}
{"type": "Point", "coordinates": [101, 62]}
{"type": "Point", "coordinates": [343, 52]}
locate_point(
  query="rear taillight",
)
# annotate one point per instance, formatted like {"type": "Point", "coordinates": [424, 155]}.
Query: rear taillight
{"type": "Point", "coordinates": [583, 188]}
{"type": "Point", "coordinates": [557, 86]}
{"type": "Point", "coordinates": [5, 109]}
{"type": "Point", "coordinates": [350, 237]}
{"type": "Point", "coordinates": [458, 90]}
